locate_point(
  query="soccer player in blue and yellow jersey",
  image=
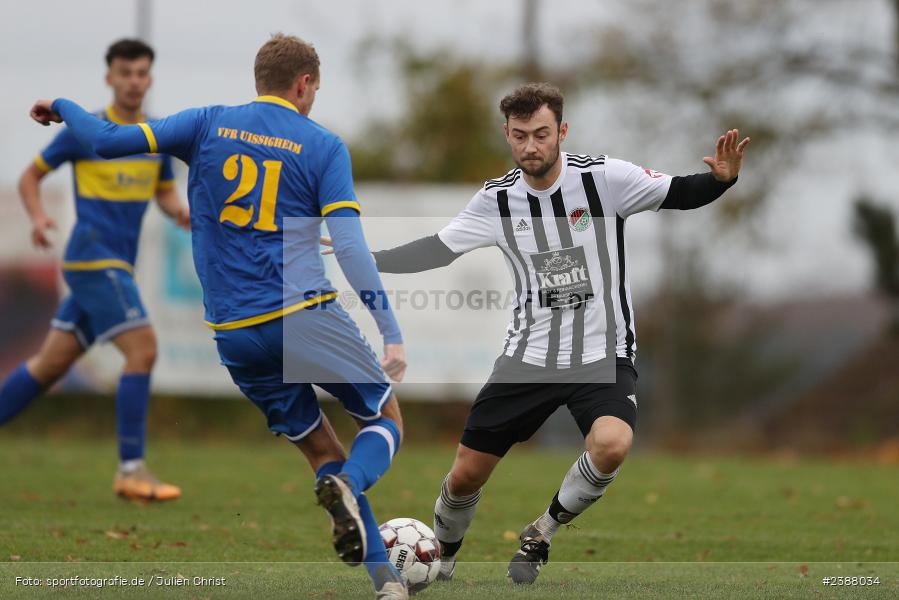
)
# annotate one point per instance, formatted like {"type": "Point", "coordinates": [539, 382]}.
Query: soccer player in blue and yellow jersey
{"type": "Point", "coordinates": [111, 197]}
{"type": "Point", "coordinates": [264, 287]}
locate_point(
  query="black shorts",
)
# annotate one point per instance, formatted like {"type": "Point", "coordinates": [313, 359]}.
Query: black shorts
{"type": "Point", "coordinates": [506, 413]}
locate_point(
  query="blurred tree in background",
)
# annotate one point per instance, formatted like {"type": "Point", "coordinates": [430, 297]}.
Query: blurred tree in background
{"type": "Point", "coordinates": [450, 130]}
{"type": "Point", "coordinates": [875, 225]}
{"type": "Point", "coordinates": [707, 358]}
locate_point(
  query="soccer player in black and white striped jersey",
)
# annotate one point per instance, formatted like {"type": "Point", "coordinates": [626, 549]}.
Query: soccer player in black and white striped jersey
{"type": "Point", "coordinates": [559, 220]}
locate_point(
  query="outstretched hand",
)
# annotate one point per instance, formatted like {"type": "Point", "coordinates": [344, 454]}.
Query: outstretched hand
{"type": "Point", "coordinates": [42, 112]}
{"type": "Point", "coordinates": [728, 158]}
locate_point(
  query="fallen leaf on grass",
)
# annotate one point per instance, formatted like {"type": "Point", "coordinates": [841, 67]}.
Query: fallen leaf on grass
{"type": "Point", "coordinates": [510, 536]}
{"type": "Point", "coordinates": [789, 493]}
{"type": "Point", "coordinates": [15, 557]}
{"type": "Point", "coordinates": [117, 535]}
{"type": "Point", "coordinates": [803, 570]}
{"type": "Point", "coordinates": [178, 544]}
{"type": "Point", "coordinates": [846, 502]}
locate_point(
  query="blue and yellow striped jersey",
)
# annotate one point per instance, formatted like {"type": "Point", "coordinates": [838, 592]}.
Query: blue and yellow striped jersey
{"type": "Point", "coordinates": [111, 197]}
{"type": "Point", "coordinates": [251, 166]}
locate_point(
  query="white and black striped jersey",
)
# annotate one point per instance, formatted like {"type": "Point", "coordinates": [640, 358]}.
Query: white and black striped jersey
{"type": "Point", "coordinates": [566, 252]}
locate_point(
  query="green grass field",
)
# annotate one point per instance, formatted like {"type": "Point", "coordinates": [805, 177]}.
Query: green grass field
{"type": "Point", "coordinates": [669, 527]}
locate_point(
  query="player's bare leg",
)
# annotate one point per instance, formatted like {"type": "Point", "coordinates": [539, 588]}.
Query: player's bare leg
{"type": "Point", "coordinates": [133, 479]}
{"type": "Point", "coordinates": [322, 449]}
{"type": "Point", "coordinates": [56, 356]}
{"type": "Point", "coordinates": [321, 446]}
{"type": "Point", "coordinates": [458, 501]}
{"type": "Point", "coordinates": [607, 443]}
{"type": "Point", "coordinates": [353, 524]}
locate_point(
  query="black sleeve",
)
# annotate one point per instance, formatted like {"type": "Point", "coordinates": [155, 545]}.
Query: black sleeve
{"type": "Point", "coordinates": [693, 191]}
{"type": "Point", "coordinates": [421, 255]}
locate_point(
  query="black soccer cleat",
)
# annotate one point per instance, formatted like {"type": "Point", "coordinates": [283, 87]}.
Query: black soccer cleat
{"type": "Point", "coordinates": [533, 554]}
{"type": "Point", "coordinates": [348, 530]}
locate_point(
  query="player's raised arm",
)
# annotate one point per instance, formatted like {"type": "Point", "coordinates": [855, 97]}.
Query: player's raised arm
{"type": "Point", "coordinates": [635, 189]}
{"type": "Point", "coordinates": [103, 137]}
{"type": "Point", "coordinates": [694, 191]}
{"type": "Point", "coordinates": [173, 135]}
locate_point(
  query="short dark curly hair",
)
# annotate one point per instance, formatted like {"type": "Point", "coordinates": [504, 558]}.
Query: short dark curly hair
{"type": "Point", "coordinates": [527, 99]}
{"type": "Point", "coordinates": [129, 49]}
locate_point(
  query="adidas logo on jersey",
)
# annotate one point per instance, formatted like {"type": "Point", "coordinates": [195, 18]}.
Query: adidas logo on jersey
{"type": "Point", "coordinates": [522, 226]}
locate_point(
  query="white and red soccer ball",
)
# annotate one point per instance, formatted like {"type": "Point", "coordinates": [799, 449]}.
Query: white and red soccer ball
{"type": "Point", "coordinates": [413, 549]}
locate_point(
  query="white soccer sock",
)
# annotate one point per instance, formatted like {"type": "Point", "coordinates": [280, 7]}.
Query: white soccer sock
{"type": "Point", "coordinates": [583, 485]}
{"type": "Point", "coordinates": [129, 466]}
{"type": "Point", "coordinates": [452, 516]}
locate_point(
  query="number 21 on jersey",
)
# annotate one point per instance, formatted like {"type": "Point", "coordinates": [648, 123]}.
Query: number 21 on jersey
{"type": "Point", "coordinates": [249, 175]}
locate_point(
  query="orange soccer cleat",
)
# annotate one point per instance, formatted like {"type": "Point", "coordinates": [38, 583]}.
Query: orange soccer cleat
{"type": "Point", "coordinates": [141, 484]}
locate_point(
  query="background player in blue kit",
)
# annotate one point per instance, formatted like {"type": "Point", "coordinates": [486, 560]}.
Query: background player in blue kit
{"type": "Point", "coordinates": [111, 197]}
{"type": "Point", "coordinates": [265, 293]}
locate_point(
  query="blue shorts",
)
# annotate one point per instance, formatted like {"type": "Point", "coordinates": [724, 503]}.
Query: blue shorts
{"type": "Point", "coordinates": [275, 364]}
{"type": "Point", "coordinates": [102, 304]}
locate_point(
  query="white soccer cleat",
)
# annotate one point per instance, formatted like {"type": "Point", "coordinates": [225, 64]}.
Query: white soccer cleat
{"type": "Point", "coordinates": [392, 590]}
{"type": "Point", "coordinates": [447, 568]}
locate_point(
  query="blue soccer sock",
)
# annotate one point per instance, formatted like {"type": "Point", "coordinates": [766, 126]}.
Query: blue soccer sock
{"type": "Point", "coordinates": [19, 389]}
{"type": "Point", "coordinates": [371, 453]}
{"type": "Point", "coordinates": [131, 403]}
{"type": "Point", "coordinates": [379, 569]}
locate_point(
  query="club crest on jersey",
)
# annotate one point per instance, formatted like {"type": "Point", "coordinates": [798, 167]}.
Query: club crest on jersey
{"type": "Point", "coordinates": [579, 218]}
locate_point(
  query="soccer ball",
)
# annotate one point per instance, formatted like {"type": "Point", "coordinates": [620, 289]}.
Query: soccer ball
{"type": "Point", "coordinates": [413, 549]}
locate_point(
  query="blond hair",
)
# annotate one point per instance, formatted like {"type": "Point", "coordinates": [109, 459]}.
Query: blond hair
{"type": "Point", "coordinates": [281, 60]}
